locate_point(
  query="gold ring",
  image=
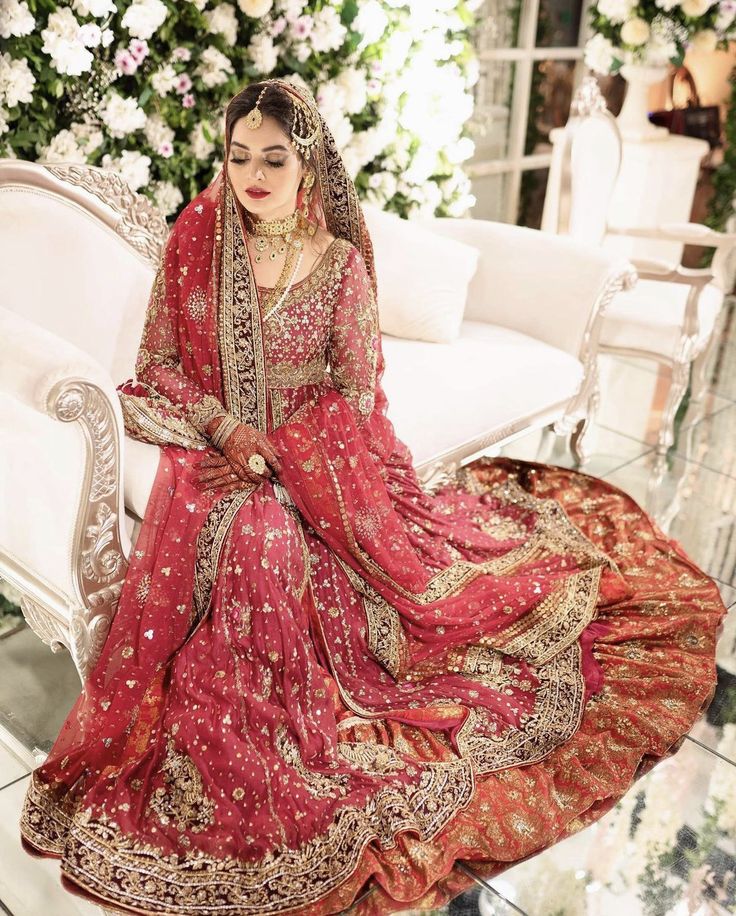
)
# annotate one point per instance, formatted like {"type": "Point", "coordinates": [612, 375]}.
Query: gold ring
{"type": "Point", "coordinates": [257, 463]}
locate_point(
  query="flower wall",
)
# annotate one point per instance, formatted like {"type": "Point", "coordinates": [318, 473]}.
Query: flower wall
{"type": "Point", "coordinates": [656, 32]}
{"type": "Point", "coordinates": [141, 87]}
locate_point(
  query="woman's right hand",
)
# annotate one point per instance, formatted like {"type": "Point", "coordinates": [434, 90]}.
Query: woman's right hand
{"type": "Point", "coordinates": [245, 441]}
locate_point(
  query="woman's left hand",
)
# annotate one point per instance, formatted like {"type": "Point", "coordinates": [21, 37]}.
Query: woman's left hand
{"type": "Point", "coordinates": [217, 473]}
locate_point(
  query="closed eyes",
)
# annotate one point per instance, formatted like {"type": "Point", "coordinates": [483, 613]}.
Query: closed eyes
{"type": "Point", "coordinates": [275, 165]}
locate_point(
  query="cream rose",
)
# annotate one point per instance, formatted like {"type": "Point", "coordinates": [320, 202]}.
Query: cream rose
{"type": "Point", "coordinates": [635, 31]}
{"type": "Point", "coordinates": [695, 7]}
{"type": "Point", "coordinates": [255, 8]}
{"type": "Point", "coordinates": [705, 40]}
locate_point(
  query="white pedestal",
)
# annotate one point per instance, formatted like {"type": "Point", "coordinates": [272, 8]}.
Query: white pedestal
{"type": "Point", "coordinates": [656, 184]}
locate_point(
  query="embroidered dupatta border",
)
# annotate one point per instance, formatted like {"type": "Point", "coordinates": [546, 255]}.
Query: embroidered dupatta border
{"type": "Point", "coordinates": [99, 857]}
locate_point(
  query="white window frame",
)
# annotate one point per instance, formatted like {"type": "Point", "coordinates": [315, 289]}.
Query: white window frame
{"type": "Point", "coordinates": [525, 55]}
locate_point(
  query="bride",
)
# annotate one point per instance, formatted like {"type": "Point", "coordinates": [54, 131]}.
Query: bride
{"type": "Point", "coordinates": [324, 676]}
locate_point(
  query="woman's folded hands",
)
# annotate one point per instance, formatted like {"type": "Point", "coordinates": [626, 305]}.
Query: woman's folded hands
{"type": "Point", "coordinates": [230, 470]}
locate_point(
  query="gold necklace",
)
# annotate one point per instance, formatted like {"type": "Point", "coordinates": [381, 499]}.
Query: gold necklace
{"type": "Point", "coordinates": [275, 233]}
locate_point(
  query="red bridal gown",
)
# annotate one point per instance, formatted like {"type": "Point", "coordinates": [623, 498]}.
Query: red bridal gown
{"type": "Point", "coordinates": [347, 679]}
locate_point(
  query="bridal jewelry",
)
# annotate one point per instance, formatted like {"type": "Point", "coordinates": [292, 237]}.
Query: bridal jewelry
{"type": "Point", "coordinates": [305, 128]}
{"type": "Point", "coordinates": [257, 463]}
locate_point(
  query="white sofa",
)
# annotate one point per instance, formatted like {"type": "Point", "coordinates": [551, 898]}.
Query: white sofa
{"type": "Point", "coordinates": [78, 251]}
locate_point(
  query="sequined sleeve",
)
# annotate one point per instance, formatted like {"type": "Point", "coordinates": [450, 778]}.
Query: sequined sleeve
{"type": "Point", "coordinates": [353, 343]}
{"type": "Point", "coordinates": [158, 361]}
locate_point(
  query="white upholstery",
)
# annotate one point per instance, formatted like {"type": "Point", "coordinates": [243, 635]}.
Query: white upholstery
{"type": "Point", "coordinates": [652, 314]}
{"type": "Point", "coordinates": [480, 383]}
{"type": "Point", "coordinates": [440, 270]}
{"type": "Point", "coordinates": [66, 271]}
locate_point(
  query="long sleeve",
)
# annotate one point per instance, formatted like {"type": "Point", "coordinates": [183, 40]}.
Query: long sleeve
{"type": "Point", "coordinates": [166, 407]}
{"type": "Point", "coordinates": [353, 343]}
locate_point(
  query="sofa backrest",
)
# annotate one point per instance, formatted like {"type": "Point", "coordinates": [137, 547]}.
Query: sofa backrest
{"type": "Point", "coordinates": [78, 251]}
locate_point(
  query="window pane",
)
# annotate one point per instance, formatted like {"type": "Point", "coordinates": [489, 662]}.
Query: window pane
{"type": "Point", "coordinates": [490, 122]}
{"type": "Point", "coordinates": [497, 25]}
{"type": "Point", "coordinates": [490, 192]}
{"type": "Point", "coordinates": [558, 24]}
{"type": "Point", "coordinates": [531, 198]}
{"type": "Point", "coordinates": [549, 102]}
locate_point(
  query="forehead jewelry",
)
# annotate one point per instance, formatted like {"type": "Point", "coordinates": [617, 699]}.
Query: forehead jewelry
{"type": "Point", "coordinates": [305, 128]}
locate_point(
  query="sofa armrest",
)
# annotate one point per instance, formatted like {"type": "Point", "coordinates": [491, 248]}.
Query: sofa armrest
{"type": "Point", "coordinates": [547, 286]}
{"type": "Point", "coordinates": [62, 527]}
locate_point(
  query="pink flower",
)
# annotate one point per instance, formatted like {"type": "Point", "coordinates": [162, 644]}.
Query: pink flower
{"type": "Point", "coordinates": [183, 83]}
{"type": "Point", "coordinates": [125, 62]}
{"type": "Point", "coordinates": [302, 26]}
{"type": "Point", "coordinates": [277, 26]}
{"type": "Point", "coordinates": [187, 101]}
{"type": "Point", "coordinates": [166, 149]}
{"type": "Point", "coordinates": [139, 49]}
{"type": "Point", "coordinates": [183, 54]}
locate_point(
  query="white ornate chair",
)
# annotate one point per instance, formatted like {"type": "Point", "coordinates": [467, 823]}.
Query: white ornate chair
{"type": "Point", "coordinates": [78, 251]}
{"type": "Point", "coordinates": [669, 313]}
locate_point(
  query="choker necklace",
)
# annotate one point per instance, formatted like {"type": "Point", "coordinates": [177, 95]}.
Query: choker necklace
{"type": "Point", "coordinates": [278, 234]}
{"type": "Point", "coordinates": [278, 226]}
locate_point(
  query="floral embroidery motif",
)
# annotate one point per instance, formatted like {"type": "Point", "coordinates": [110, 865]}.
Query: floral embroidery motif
{"type": "Point", "coordinates": [320, 785]}
{"type": "Point", "coordinates": [197, 304]}
{"type": "Point", "coordinates": [182, 799]}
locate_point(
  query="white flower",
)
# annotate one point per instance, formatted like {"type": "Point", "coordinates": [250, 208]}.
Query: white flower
{"type": "Point", "coordinates": [328, 32]}
{"type": "Point", "coordinates": [599, 54]}
{"type": "Point", "coordinates": [16, 19]}
{"type": "Point", "coordinates": [88, 136]}
{"type": "Point", "coordinates": [201, 147]}
{"type": "Point", "coordinates": [200, 4]}
{"type": "Point", "coordinates": [164, 80]}
{"type": "Point", "coordinates": [121, 115]}
{"type": "Point", "coordinates": [108, 37]}
{"type": "Point", "coordinates": [167, 197]}
{"type": "Point", "coordinates": [666, 5]}
{"type": "Point", "coordinates": [223, 21]}
{"type": "Point", "coordinates": [726, 15]}
{"type": "Point", "coordinates": [292, 9]}
{"type": "Point", "coordinates": [695, 7]}
{"type": "Point", "coordinates": [616, 10]}
{"type": "Point", "coordinates": [371, 22]}
{"type": "Point", "coordinates": [143, 17]}
{"type": "Point", "coordinates": [96, 8]}
{"type": "Point", "coordinates": [16, 81]}
{"type": "Point", "coordinates": [635, 31]}
{"type": "Point", "coordinates": [255, 8]}
{"type": "Point", "coordinates": [4, 128]}
{"type": "Point", "coordinates": [158, 134]}
{"type": "Point", "coordinates": [62, 148]}
{"type": "Point", "coordinates": [213, 67]}
{"type": "Point", "coordinates": [132, 166]}
{"type": "Point", "coordinates": [302, 50]}
{"type": "Point", "coordinates": [61, 42]}
{"type": "Point", "coordinates": [90, 34]}
{"type": "Point", "coordinates": [354, 82]}
{"type": "Point", "coordinates": [263, 53]}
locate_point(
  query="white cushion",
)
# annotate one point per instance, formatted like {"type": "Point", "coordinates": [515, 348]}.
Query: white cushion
{"type": "Point", "coordinates": [423, 277]}
{"type": "Point", "coordinates": [651, 316]}
{"type": "Point", "coordinates": [443, 395]}
{"type": "Point", "coordinates": [140, 464]}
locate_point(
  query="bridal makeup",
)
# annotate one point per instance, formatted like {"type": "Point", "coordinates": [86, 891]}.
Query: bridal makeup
{"type": "Point", "coordinates": [263, 168]}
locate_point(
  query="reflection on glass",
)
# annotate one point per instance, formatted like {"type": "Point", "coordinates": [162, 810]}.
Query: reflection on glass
{"type": "Point", "coordinates": [558, 24]}
{"type": "Point", "coordinates": [549, 102]}
{"type": "Point", "coordinates": [491, 117]}
{"type": "Point", "coordinates": [490, 193]}
{"type": "Point", "coordinates": [497, 25]}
